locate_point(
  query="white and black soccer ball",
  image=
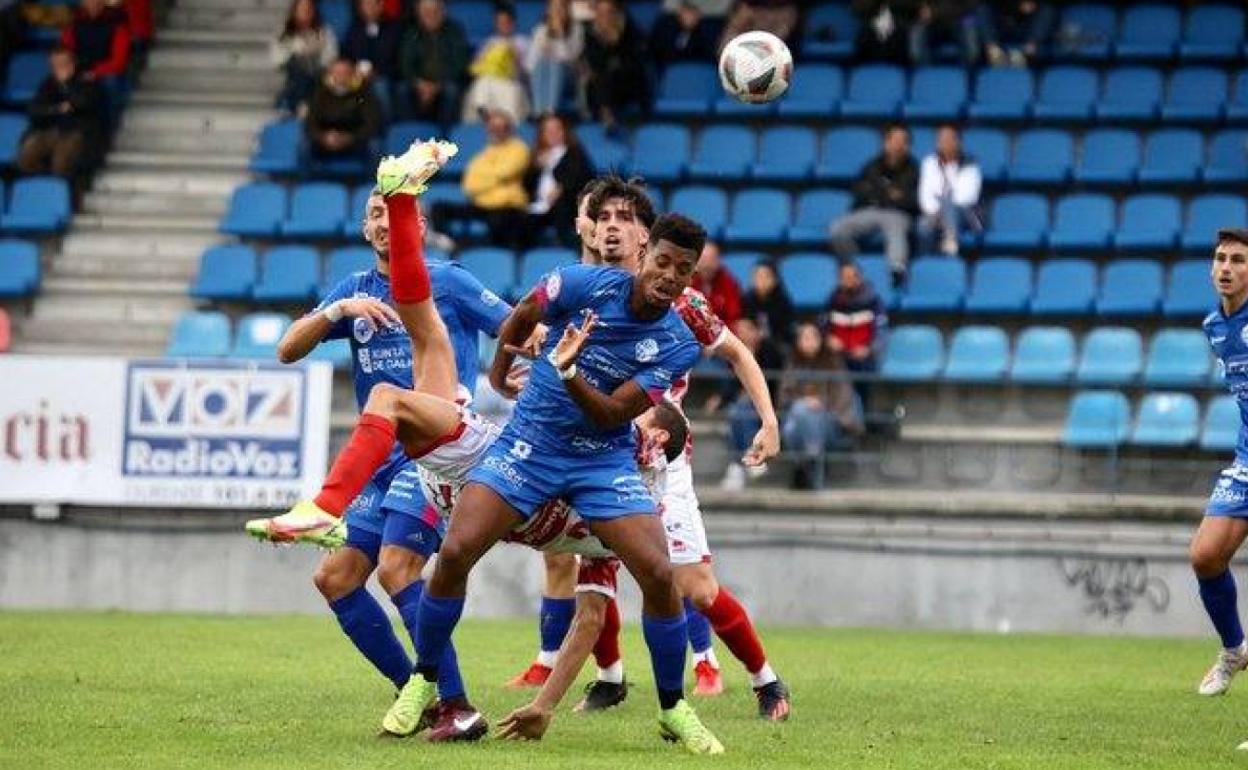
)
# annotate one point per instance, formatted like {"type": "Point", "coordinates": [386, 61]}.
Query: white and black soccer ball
{"type": "Point", "coordinates": [756, 67]}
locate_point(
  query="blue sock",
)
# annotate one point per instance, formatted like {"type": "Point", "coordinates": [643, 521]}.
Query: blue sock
{"type": "Point", "coordinates": [1221, 602]}
{"type": "Point", "coordinates": [699, 628]}
{"type": "Point", "coordinates": [667, 639]}
{"type": "Point", "coordinates": [365, 623]}
{"type": "Point", "coordinates": [450, 682]}
{"type": "Point", "coordinates": [435, 623]}
{"type": "Point", "coordinates": [554, 621]}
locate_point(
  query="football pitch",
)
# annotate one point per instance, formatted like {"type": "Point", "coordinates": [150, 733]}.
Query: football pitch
{"type": "Point", "coordinates": [120, 690]}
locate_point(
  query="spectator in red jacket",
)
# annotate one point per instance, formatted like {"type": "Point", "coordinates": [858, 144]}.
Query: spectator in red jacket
{"type": "Point", "coordinates": [100, 39]}
{"type": "Point", "coordinates": [856, 324]}
{"type": "Point", "coordinates": [714, 280]}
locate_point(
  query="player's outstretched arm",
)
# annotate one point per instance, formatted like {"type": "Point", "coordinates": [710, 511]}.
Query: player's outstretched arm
{"type": "Point", "coordinates": [766, 442]}
{"type": "Point", "coordinates": [308, 332]}
{"type": "Point", "coordinates": [513, 334]}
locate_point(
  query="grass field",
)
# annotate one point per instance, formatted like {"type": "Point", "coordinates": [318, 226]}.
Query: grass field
{"type": "Point", "coordinates": [112, 690]}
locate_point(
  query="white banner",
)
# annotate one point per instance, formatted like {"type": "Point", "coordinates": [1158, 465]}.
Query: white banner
{"type": "Point", "coordinates": [212, 434]}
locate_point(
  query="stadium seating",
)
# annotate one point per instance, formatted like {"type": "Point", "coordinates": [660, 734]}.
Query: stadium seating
{"type": "Point", "coordinates": [1042, 156]}
{"type": "Point", "coordinates": [1177, 358]}
{"type": "Point", "coordinates": [1091, 32]}
{"type": "Point", "coordinates": [1195, 95]}
{"type": "Point", "coordinates": [1017, 222]}
{"type": "Point", "coordinates": [978, 354]}
{"type": "Point", "coordinates": [1172, 157]}
{"type": "Point", "coordinates": [1130, 94]}
{"type": "Point", "coordinates": [815, 93]}
{"type": "Point", "coordinates": [685, 89]}
{"type": "Point", "coordinates": [913, 353]}
{"type": "Point", "coordinates": [1220, 431]}
{"type": "Point", "coordinates": [12, 127]}
{"type": "Point", "coordinates": [741, 264]}
{"type": "Point", "coordinates": [1236, 109]}
{"type": "Point", "coordinates": [875, 270]}
{"type": "Point", "coordinates": [256, 211]}
{"type": "Point", "coordinates": [27, 70]}
{"type": "Point", "coordinates": [344, 262]}
{"type": "Point", "coordinates": [470, 137]}
{"type": "Point", "coordinates": [936, 285]}
{"type": "Point", "coordinates": [607, 152]}
{"type": "Point", "coordinates": [494, 268]}
{"type": "Point", "coordinates": [1148, 32]}
{"type": "Point", "coordinates": [38, 205]}
{"type": "Point", "coordinates": [724, 153]}
{"type": "Point", "coordinates": [317, 210]}
{"type": "Point", "coordinates": [1097, 419]}
{"type": "Point", "coordinates": [225, 273]}
{"type": "Point", "coordinates": [816, 211]}
{"type": "Point", "coordinates": [356, 209]}
{"type": "Point", "coordinates": [1212, 32]}
{"type": "Point", "coordinates": [200, 334]}
{"type": "Point", "coordinates": [400, 135]}
{"type": "Point", "coordinates": [1130, 287]}
{"type": "Point", "coordinates": [830, 32]}
{"type": "Point", "coordinates": [258, 335]}
{"type": "Point", "coordinates": [1001, 94]}
{"type": "Point", "coordinates": [805, 277]}
{"type": "Point", "coordinates": [661, 152]}
{"type": "Point", "coordinates": [874, 92]}
{"type": "Point", "coordinates": [936, 93]}
{"type": "Point", "coordinates": [1228, 161]}
{"type": "Point", "coordinates": [538, 262]}
{"type": "Point", "coordinates": [1043, 355]}
{"type": "Point", "coordinates": [1206, 214]}
{"type": "Point", "coordinates": [1066, 94]}
{"type": "Point", "coordinates": [706, 205]}
{"type": "Point", "coordinates": [288, 274]}
{"type": "Point", "coordinates": [844, 151]}
{"type": "Point", "coordinates": [1110, 157]}
{"type": "Point", "coordinates": [20, 270]}
{"type": "Point", "coordinates": [1149, 223]}
{"type": "Point", "coordinates": [1187, 291]}
{"type": "Point", "coordinates": [999, 285]}
{"type": "Point", "coordinates": [1167, 419]}
{"type": "Point", "coordinates": [1082, 223]}
{"type": "Point", "coordinates": [786, 155]}
{"type": "Point", "coordinates": [1112, 355]}
{"type": "Point", "coordinates": [991, 148]}
{"type": "Point", "coordinates": [759, 216]}
{"type": "Point", "coordinates": [278, 148]}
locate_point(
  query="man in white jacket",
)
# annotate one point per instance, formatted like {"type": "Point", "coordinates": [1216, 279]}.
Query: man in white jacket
{"type": "Point", "coordinates": [949, 186]}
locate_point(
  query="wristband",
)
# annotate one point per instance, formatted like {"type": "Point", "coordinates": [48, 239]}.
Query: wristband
{"type": "Point", "coordinates": [333, 313]}
{"type": "Point", "coordinates": [564, 374]}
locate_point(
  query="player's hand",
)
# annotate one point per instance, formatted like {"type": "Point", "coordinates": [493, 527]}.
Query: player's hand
{"type": "Point", "coordinates": [765, 446]}
{"type": "Point", "coordinates": [574, 341]}
{"type": "Point", "coordinates": [527, 723]}
{"type": "Point", "coordinates": [532, 347]}
{"type": "Point", "coordinates": [378, 313]}
{"type": "Point", "coordinates": [515, 380]}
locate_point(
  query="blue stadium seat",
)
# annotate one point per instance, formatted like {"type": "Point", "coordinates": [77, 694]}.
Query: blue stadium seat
{"type": "Point", "coordinates": [356, 211]}
{"type": "Point", "coordinates": [1017, 222]}
{"type": "Point", "coordinates": [991, 148]}
{"type": "Point", "coordinates": [258, 335]}
{"type": "Point", "coordinates": [1130, 287]}
{"type": "Point", "coordinates": [978, 354]}
{"type": "Point", "coordinates": [226, 273]}
{"type": "Point", "coordinates": [643, 13]}
{"type": "Point", "coordinates": [1082, 222]}
{"type": "Point", "coordinates": [470, 137]}
{"type": "Point", "coordinates": [808, 277]}
{"type": "Point", "coordinates": [1110, 156]}
{"type": "Point", "coordinates": [1148, 32]}
{"type": "Point", "coordinates": [200, 334]}
{"type": "Point", "coordinates": [1130, 94]}
{"type": "Point", "coordinates": [288, 274]}
{"type": "Point", "coordinates": [1044, 355]}
{"type": "Point", "coordinates": [936, 285]}
{"type": "Point", "coordinates": [477, 18]}
{"type": "Point", "coordinates": [759, 216]}
{"type": "Point", "coordinates": [20, 269]}
{"type": "Point", "coordinates": [913, 353]}
{"type": "Point", "coordinates": [278, 148]}
{"type": "Point", "coordinates": [12, 127]}
{"type": "Point", "coordinates": [38, 205]}
{"type": "Point", "coordinates": [317, 210]}
{"type": "Point", "coordinates": [816, 210]}
{"type": "Point", "coordinates": [1066, 94]}
{"type": "Point", "coordinates": [1002, 94]}
{"type": "Point", "coordinates": [1172, 156]}
{"type": "Point", "coordinates": [999, 285]}
{"type": "Point", "coordinates": [936, 93]}
{"type": "Point", "coordinates": [608, 152]}
{"type": "Point", "coordinates": [400, 135]}
{"type": "Point", "coordinates": [496, 269]}
{"type": "Point", "coordinates": [1236, 109]}
{"type": "Point", "coordinates": [1167, 419]}
{"type": "Point", "coordinates": [337, 16]}
{"type": "Point", "coordinates": [844, 152]}
{"type": "Point", "coordinates": [816, 92]}
{"type": "Point", "coordinates": [1187, 290]}
{"type": "Point", "coordinates": [1112, 355]}
{"type": "Point", "coordinates": [1097, 419]}
{"type": "Point", "coordinates": [451, 192]}
{"type": "Point", "coordinates": [1228, 158]}
{"type": "Point", "coordinates": [1149, 223]}
{"type": "Point", "coordinates": [536, 263]}
{"type": "Point", "coordinates": [346, 261]}
{"type": "Point", "coordinates": [336, 352]}
{"type": "Point", "coordinates": [874, 92]}
{"type": "Point", "coordinates": [830, 31]}
{"type": "Point", "coordinates": [1042, 156]}
{"type": "Point", "coordinates": [875, 271]}
{"type": "Point", "coordinates": [256, 210]}
{"type": "Point", "coordinates": [686, 90]}
{"type": "Point", "coordinates": [1195, 95]}
{"type": "Point", "coordinates": [661, 152]}
{"type": "Point", "coordinates": [786, 154]}
{"type": "Point", "coordinates": [708, 206]}
{"type": "Point", "coordinates": [923, 141]}
{"type": "Point", "coordinates": [1220, 431]}
{"type": "Point", "coordinates": [1213, 33]}
{"type": "Point", "coordinates": [1206, 214]}
{"type": "Point", "coordinates": [1177, 358]}
{"type": "Point", "coordinates": [27, 70]}
{"type": "Point", "coordinates": [1064, 287]}
{"type": "Point", "coordinates": [1088, 30]}
{"type": "Point", "coordinates": [741, 264]}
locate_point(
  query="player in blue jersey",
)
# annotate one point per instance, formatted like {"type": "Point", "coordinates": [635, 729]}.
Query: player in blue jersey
{"type": "Point", "coordinates": [1225, 525]}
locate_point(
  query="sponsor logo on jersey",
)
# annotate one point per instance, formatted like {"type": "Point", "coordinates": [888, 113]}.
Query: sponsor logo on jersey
{"type": "Point", "coordinates": [554, 282]}
{"type": "Point", "coordinates": [521, 450]}
{"type": "Point", "coordinates": [646, 350]}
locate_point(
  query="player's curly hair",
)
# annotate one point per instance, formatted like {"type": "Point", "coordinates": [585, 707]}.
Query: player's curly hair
{"type": "Point", "coordinates": [633, 190]}
{"type": "Point", "coordinates": [678, 230]}
{"type": "Point", "coordinates": [669, 418]}
{"type": "Point", "coordinates": [1235, 234]}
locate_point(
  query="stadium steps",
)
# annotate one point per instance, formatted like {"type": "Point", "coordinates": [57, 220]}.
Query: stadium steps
{"type": "Point", "coordinates": [168, 183]}
{"type": "Point", "coordinates": [173, 141]}
{"type": "Point", "coordinates": [220, 18]}
{"type": "Point", "coordinates": [189, 80]}
{"type": "Point", "coordinates": [182, 222]}
{"type": "Point", "coordinates": [202, 120]}
{"type": "Point", "coordinates": [203, 99]}
{"type": "Point", "coordinates": [214, 36]}
{"type": "Point", "coordinates": [186, 161]}
{"type": "Point", "coordinates": [210, 204]}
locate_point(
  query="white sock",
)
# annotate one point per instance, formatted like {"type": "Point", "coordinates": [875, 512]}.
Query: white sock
{"type": "Point", "coordinates": [613, 673]}
{"type": "Point", "coordinates": [708, 655]}
{"type": "Point", "coordinates": [547, 659]}
{"type": "Point", "coordinates": [763, 677]}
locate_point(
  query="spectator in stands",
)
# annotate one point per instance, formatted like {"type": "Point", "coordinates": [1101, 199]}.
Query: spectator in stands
{"type": "Point", "coordinates": [885, 203]}
{"type": "Point", "coordinates": [373, 42]}
{"type": "Point", "coordinates": [779, 17]}
{"type": "Point", "coordinates": [856, 322]}
{"type": "Point", "coordinates": [434, 64]}
{"type": "Point", "coordinates": [498, 72]}
{"type": "Point", "coordinates": [558, 170]}
{"type": "Point", "coordinates": [1015, 31]}
{"type": "Point", "coordinates": [494, 184]}
{"type": "Point", "coordinates": [100, 40]}
{"type": "Point", "coordinates": [142, 25]}
{"type": "Point", "coordinates": [884, 29]}
{"type": "Point", "coordinates": [743, 421]}
{"type": "Point", "coordinates": [945, 20]}
{"type": "Point", "coordinates": [821, 409]}
{"type": "Point", "coordinates": [767, 304]}
{"type": "Point", "coordinates": [557, 44]}
{"type": "Point", "coordinates": [65, 120]}
{"type": "Point", "coordinates": [713, 279]}
{"type": "Point", "coordinates": [303, 49]}
{"type": "Point", "coordinates": [688, 30]}
{"type": "Point", "coordinates": [615, 76]}
{"type": "Point", "coordinates": [344, 116]}
{"type": "Point", "coordinates": [949, 185]}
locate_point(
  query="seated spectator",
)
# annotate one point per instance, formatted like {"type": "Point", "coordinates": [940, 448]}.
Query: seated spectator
{"type": "Point", "coordinates": [303, 49]}
{"type": "Point", "coordinates": [743, 420]}
{"type": "Point", "coordinates": [557, 44]}
{"type": "Point", "coordinates": [1014, 31]}
{"type": "Point", "coordinates": [945, 20]}
{"type": "Point", "coordinates": [434, 64]}
{"type": "Point", "coordinates": [142, 25]}
{"type": "Point", "coordinates": [494, 184]}
{"type": "Point", "coordinates": [498, 75]}
{"type": "Point", "coordinates": [779, 17]}
{"type": "Point", "coordinates": [615, 76]}
{"type": "Point", "coordinates": [373, 42]}
{"type": "Point", "coordinates": [344, 115]}
{"type": "Point", "coordinates": [884, 29]}
{"type": "Point", "coordinates": [949, 185]}
{"type": "Point", "coordinates": [767, 304]}
{"type": "Point", "coordinates": [688, 30]}
{"type": "Point", "coordinates": [821, 409]}
{"type": "Point", "coordinates": [885, 202]}
{"type": "Point", "coordinates": [100, 40]}
{"type": "Point", "coordinates": [857, 321]}
{"type": "Point", "coordinates": [65, 120]}
{"type": "Point", "coordinates": [713, 279]}
{"type": "Point", "coordinates": [558, 170]}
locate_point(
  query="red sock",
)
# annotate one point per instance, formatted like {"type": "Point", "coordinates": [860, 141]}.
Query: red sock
{"type": "Point", "coordinates": [409, 277]}
{"type": "Point", "coordinates": [366, 450]}
{"type": "Point", "coordinates": [732, 624]}
{"type": "Point", "coordinates": [607, 648]}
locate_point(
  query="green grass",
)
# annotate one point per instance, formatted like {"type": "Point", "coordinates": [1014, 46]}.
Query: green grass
{"type": "Point", "coordinates": [121, 690]}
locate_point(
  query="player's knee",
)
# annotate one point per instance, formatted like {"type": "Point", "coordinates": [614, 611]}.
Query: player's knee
{"type": "Point", "coordinates": [397, 571]}
{"type": "Point", "coordinates": [654, 576]}
{"type": "Point", "coordinates": [1207, 561]}
{"type": "Point", "coordinates": [333, 581]}
{"type": "Point", "coordinates": [591, 615]}
{"type": "Point", "coordinates": [454, 560]}
{"type": "Point", "coordinates": [382, 399]}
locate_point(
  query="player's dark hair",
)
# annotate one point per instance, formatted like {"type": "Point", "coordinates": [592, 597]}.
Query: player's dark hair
{"type": "Point", "coordinates": [633, 190]}
{"type": "Point", "coordinates": [679, 230]}
{"type": "Point", "coordinates": [669, 418]}
{"type": "Point", "coordinates": [1237, 234]}
{"type": "Point", "coordinates": [588, 189]}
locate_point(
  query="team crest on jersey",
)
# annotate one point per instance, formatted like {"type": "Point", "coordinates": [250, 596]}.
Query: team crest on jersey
{"type": "Point", "coordinates": [362, 330]}
{"type": "Point", "coordinates": [646, 350]}
{"type": "Point", "coordinates": [1243, 335]}
{"type": "Point", "coordinates": [554, 282]}
{"type": "Point", "coordinates": [489, 298]}
{"type": "Point", "coordinates": [521, 450]}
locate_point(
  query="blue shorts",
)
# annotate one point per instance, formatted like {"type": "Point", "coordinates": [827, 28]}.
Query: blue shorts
{"type": "Point", "coordinates": [1230, 493]}
{"type": "Point", "coordinates": [599, 486]}
{"type": "Point", "coordinates": [392, 510]}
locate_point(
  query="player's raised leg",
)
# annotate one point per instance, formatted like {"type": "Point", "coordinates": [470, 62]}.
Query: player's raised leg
{"type": "Point", "coordinates": [554, 617]}
{"type": "Point", "coordinates": [1216, 541]}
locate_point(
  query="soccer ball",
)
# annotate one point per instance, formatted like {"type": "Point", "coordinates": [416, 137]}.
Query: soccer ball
{"type": "Point", "coordinates": [756, 67]}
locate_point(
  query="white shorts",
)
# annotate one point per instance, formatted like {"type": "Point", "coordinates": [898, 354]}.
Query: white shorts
{"type": "Point", "coordinates": [682, 517]}
{"type": "Point", "coordinates": [444, 464]}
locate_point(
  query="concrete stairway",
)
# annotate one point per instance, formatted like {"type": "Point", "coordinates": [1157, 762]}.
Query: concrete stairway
{"type": "Point", "coordinates": [119, 278]}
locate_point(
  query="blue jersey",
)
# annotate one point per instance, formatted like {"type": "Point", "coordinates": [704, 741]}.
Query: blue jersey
{"type": "Point", "coordinates": [385, 354]}
{"type": "Point", "coordinates": [621, 348]}
{"type": "Point", "coordinates": [1229, 338]}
